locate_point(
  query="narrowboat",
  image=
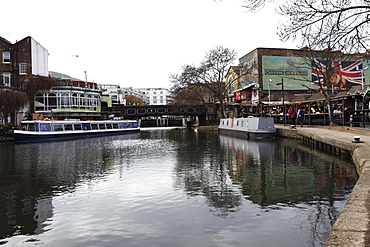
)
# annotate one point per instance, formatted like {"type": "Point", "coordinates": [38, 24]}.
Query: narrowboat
{"type": "Point", "coordinates": [59, 130]}
{"type": "Point", "coordinates": [251, 127]}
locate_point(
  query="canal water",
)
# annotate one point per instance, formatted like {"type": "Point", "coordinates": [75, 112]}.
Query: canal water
{"type": "Point", "coordinates": [170, 187]}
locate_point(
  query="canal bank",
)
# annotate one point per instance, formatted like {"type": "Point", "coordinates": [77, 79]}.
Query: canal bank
{"type": "Point", "coordinates": [352, 228]}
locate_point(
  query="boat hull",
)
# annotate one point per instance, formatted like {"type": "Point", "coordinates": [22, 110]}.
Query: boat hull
{"type": "Point", "coordinates": [26, 138]}
{"type": "Point", "coordinates": [36, 134]}
{"type": "Point", "coordinates": [255, 128]}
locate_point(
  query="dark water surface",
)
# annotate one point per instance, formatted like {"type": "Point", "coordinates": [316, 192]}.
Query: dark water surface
{"type": "Point", "coordinates": [170, 187]}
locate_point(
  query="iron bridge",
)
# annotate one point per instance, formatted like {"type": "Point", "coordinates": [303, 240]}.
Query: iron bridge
{"type": "Point", "coordinates": [133, 111]}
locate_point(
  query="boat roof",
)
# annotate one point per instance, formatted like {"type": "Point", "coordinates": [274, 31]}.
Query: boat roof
{"type": "Point", "coordinates": [77, 121]}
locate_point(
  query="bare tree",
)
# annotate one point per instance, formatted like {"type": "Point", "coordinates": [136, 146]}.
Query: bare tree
{"type": "Point", "coordinates": [209, 76]}
{"type": "Point", "coordinates": [38, 83]}
{"type": "Point", "coordinates": [343, 23]}
{"type": "Point", "coordinates": [11, 101]}
{"type": "Point", "coordinates": [190, 94]}
{"type": "Point", "coordinates": [255, 5]}
{"type": "Point", "coordinates": [133, 100]}
{"type": "Point", "coordinates": [333, 71]}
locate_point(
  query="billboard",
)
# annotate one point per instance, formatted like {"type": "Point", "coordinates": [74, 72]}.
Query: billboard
{"type": "Point", "coordinates": [299, 73]}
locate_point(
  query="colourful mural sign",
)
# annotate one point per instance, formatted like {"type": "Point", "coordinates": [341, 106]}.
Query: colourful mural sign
{"type": "Point", "coordinates": [298, 73]}
{"type": "Point", "coordinates": [294, 71]}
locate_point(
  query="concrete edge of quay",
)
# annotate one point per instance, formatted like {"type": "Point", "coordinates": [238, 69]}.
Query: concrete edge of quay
{"type": "Point", "coordinates": [352, 228]}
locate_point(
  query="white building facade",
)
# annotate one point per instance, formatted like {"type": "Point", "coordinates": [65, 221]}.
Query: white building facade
{"type": "Point", "coordinates": [157, 96]}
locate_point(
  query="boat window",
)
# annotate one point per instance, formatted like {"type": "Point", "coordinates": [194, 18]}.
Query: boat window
{"type": "Point", "coordinates": [102, 126]}
{"type": "Point", "coordinates": [115, 126]}
{"type": "Point", "coordinates": [45, 127]}
{"type": "Point", "coordinates": [109, 126]}
{"type": "Point", "coordinates": [86, 126]}
{"type": "Point", "coordinates": [94, 126]}
{"type": "Point", "coordinates": [31, 127]}
{"type": "Point", "coordinates": [122, 125]}
{"type": "Point", "coordinates": [128, 125]}
{"type": "Point", "coordinates": [68, 127]}
{"type": "Point", "coordinates": [77, 126]}
{"type": "Point", "coordinates": [241, 124]}
{"type": "Point", "coordinates": [22, 126]}
{"type": "Point", "coordinates": [58, 127]}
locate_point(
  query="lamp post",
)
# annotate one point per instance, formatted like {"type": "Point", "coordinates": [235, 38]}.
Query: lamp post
{"type": "Point", "coordinates": [363, 77]}
{"type": "Point", "coordinates": [268, 86]}
{"type": "Point", "coordinates": [282, 92]}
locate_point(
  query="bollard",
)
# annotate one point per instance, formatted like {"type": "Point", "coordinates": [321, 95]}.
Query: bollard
{"type": "Point", "coordinates": [356, 139]}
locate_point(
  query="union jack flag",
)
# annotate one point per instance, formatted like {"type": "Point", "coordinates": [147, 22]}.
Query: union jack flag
{"type": "Point", "coordinates": [350, 72]}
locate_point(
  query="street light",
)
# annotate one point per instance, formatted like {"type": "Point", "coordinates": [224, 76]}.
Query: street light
{"type": "Point", "coordinates": [282, 92]}
{"type": "Point", "coordinates": [363, 77]}
{"type": "Point", "coordinates": [268, 85]}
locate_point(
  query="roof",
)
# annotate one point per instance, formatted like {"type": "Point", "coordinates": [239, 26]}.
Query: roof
{"type": "Point", "coordinates": [61, 76]}
{"type": "Point", "coordinates": [5, 41]}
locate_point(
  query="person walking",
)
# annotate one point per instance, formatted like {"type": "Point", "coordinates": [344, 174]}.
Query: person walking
{"type": "Point", "coordinates": [292, 115]}
{"type": "Point", "coordinates": [301, 113]}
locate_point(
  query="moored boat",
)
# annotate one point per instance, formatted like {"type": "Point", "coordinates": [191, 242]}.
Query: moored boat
{"type": "Point", "coordinates": [251, 127]}
{"type": "Point", "coordinates": [58, 130]}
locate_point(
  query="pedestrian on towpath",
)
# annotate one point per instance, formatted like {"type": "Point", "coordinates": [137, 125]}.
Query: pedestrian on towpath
{"type": "Point", "coordinates": [292, 115]}
{"type": "Point", "coordinates": [300, 115]}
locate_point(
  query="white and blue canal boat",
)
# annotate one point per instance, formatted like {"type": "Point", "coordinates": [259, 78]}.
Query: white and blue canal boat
{"type": "Point", "coordinates": [251, 127]}
{"type": "Point", "coordinates": [59, 130]}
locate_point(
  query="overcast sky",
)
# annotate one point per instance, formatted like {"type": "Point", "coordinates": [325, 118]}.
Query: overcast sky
{"type": "Point", "coordinates": [137, 43]}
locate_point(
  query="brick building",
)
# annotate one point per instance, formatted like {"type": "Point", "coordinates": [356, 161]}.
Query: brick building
{"type": "Point", "coordinates": [68, 98]}
{"type": "Point", "coordinates": [21, 60]}
{"type": "Point", "coordinates": [261, 72]}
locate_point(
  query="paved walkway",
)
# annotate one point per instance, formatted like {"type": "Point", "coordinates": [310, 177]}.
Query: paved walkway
{"type": "Point", "coordinates": [352, 228]}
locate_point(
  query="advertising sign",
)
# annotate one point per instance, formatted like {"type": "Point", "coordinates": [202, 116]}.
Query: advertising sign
{"type": "Point", "coordinates": [298, 73]}
{"type": "Point", "coordinates": [294, 71]}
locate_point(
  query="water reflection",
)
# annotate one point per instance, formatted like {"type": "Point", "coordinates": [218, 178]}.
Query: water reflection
{"type": "Point", "coordinates": [170, 188]}
{"type": "Point", "coordinates": [286, 172]}
{"type": "Point", "coordinates": [31, 174]}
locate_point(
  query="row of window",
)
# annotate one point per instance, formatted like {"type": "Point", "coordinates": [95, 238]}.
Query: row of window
{"type": "Point", "coordinates": [7, 76]}
{"type": "Point", "coordinates": [47, 101]}
{"type": "Point", "coordinates": [161, 92]}
{"type": "Point", "coordinates": [46, 127]}
{"type": "Point", "coordinates": [22, 66]}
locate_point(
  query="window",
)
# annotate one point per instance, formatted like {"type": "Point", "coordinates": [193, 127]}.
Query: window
{"type": "Point", "coordinates": [58, 127]}
{"type": "Point", "coordinates": [6, 80]}
{"type": "Point", "coordinates": [45, 127]}
{"type": "Point", "coordinates": [68, 127]}
{"type": "Point", "coordinates": [22, 68]}
{"type": "Point", "coordinates": [6, 57]}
